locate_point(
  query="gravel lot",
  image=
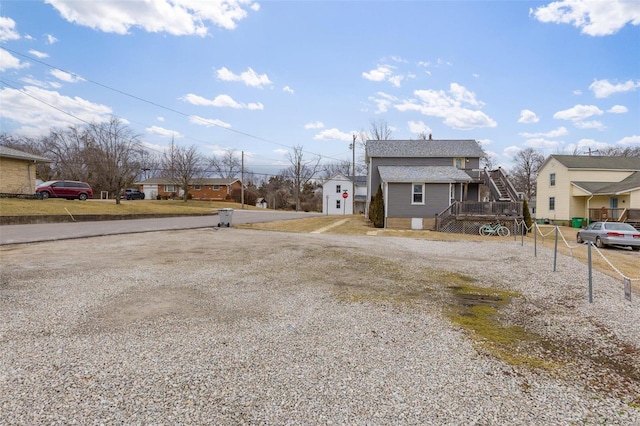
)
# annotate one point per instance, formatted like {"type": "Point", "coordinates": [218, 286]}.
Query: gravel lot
{"type": "Point", "coordinates": [229, 326]}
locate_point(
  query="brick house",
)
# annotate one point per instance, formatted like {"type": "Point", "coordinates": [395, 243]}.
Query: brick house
{"type": "Point", "coordinates": [209, 189]}
{"type": "Point", "coordinates": [18, 171]}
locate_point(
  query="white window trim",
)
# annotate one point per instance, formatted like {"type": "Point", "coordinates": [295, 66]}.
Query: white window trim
{"type": "Point", "coordinates": [552, 180]}
{"type": "Point", "coordinates": [412, 194]}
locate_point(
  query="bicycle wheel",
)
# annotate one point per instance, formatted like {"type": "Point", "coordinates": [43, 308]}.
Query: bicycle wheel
{"type": "Point", "coordinates": [485, 230]}
{"type": "Point", "coordinates": [503, 231]}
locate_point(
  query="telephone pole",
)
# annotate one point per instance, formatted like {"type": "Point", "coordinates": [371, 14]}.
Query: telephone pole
{"type": "Point", "coordinates": [353, 176]}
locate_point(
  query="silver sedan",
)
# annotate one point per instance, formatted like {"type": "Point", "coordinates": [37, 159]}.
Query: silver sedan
{"type": "Point", "coordinates": [610, 233]}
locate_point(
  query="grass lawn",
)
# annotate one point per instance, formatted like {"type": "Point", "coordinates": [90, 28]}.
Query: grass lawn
{"type": "Point", "coordinates": [22, 207]}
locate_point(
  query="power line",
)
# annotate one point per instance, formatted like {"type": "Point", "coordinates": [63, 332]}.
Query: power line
{"type": "Point", "coordinates": [192, 117]}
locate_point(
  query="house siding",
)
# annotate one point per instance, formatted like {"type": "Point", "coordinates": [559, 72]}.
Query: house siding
{"type": "Point", "coordinates": [375, 162]}
{"type": "Point", "coordinates": [17, 176]}
{"type": "Point", "coordinates": [399, 204]}
{"type": "Point", "coordinates": [571, 201]}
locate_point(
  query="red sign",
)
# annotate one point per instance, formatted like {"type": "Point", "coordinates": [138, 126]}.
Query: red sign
{"type": "Point", "coordinates": [345, 195]}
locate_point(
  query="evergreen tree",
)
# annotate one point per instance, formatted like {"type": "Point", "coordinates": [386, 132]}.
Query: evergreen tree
{"type": "Point", "coordinates": [376, 209]}
{"type": "Point", "coordinates": [527, 214]}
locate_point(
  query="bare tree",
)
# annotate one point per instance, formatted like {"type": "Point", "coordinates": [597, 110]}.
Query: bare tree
{"type": "Point", "coordinates": [614, 151]}
{"type": "Point", "coordinates": [181, 166]}
{"type": "Point", "coordinates": [68, 149]}
{"type": "Point", "coordinates": [380, 130]}
{"type": "Point", "coordinates": [301, 171]}
{"type": "Point", "coordinates": [333, 168]}
{"type": "Point", "coordinates": [150, 165]}
{"type": "Point", "coordinates": [113, 151]}
{"type": "Point", "coordinates": [527, 163]}
{"type": "Point", "coordinates": [227, 165]}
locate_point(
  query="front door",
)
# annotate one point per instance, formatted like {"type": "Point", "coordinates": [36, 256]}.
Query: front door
{"type": "Point", "coordinates": [613, 205]}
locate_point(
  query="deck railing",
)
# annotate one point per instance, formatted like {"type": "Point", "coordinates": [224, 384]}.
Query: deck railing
{"type": "Point", "coordinates": [490, 208]}
{"type": "Point", "coordinates": [614, 215]}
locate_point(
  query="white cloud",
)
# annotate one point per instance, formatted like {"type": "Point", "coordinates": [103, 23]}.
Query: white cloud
{"type": "Point", "coordinates": [161, 131]}
{"type": "Point", "coordinates": [316, 125]}
{"type": "Point", "coordinates": [208, 122]}
{"type": "Point", "coordinates": [484, 142]}
{"type": "Point", "coordinates": [8, 61]}
{"type": "Point", "coordinates": [584, 145]}
{"type": "Point", "coordinates": [334, 134]}
{"type": "Point", "coordinates": [50, 39]}
{"type": "Point", "coordinates": [578, 112]}
{"type": "Point", "coordinates": [528, 116]}
{"type": "Point", "coordinates": [177, 17]}
{"type": "Point", "coordinates": [386, 73]}
{"type": "Point", "coordinates": [160, 118]}
{"type": "Point", "coordinates": [511, 151]}
{"type": "Point", "coordinates": [593, 124]}
{"type": "Point", "coordinates": [595, 18]}
{"type": "Point", "coordinates": [541, 143]}
{"type": "Point", "coordinates": [288, 89]}
{"type": "Point", "coordinates": [65, 76]}
{"type": "Point", "coordinates": [630, 140]}
{"type": "Point", "coordinates": [604, 89]}
{"type": "Point", "coordinates": [618, 109]}
{"type": "Point", "coordinates": [221, 101]}
{"type": "Point", "coordinates": [37, 118]}
{"type": "Point", "coordinates": [560, 131]}
{"type": "Point", "coordinates": [452, 106]}
{"type": "Point", "coordinates": [7, 29]}
{"type": "Point", "coordinates": [418, 127]}
{"type": "Point", "coordinates": [249, 77]}
{"type": "Point", "coordinates": [379, 74]}
{"type": "Point", "coordinates": [37, 54]}
{"type": "Point", "coordinates": [30, 81]}
{"type": "Point", "coordinates": [281, 151]}
{"type": "Point", "coordinates": [577, 92]}
{"type": "Point", "coordinates": [383, 102]}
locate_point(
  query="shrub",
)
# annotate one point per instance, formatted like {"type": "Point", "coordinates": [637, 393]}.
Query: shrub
{"type": "Point", "coordinates": [376, 209]}
{"type": "Point", "coordinates": [526, 214]}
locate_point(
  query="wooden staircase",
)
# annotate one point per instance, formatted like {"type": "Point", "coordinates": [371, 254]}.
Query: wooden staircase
{"type": "Point", "coordinates": [500, 187]}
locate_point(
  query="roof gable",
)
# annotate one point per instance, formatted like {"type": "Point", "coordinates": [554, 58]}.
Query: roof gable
{"type": "Point", "coordinates": [424, 148]}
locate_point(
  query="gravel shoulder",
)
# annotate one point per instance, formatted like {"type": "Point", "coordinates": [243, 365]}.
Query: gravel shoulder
{"type": "Point", "coordinates": [231, 326]}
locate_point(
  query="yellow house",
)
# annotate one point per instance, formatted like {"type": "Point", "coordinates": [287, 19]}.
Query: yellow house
{"type": "Point", "coordinates": [18, 171]}
{"type": "Point", "coordinates": [589, 187]}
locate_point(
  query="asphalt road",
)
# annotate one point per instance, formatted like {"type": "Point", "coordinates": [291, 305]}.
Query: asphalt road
{"type": "Point", "coordinates": [20, 234]}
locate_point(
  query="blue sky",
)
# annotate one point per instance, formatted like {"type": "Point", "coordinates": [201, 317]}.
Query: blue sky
{"type": "Point", "coordinates": [263, 77]}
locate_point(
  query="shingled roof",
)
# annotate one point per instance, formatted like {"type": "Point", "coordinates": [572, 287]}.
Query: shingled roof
{"type": "Point", "coordinates": [631, 183]}
{"type": "Point", "coordinates": [424, 148]}
{"type": "Point", "coordinates": [597, 162]}
{"type": "Point", "coordinates": [21, 155]}
{"type": "Point", "coordinates": [429, 174]}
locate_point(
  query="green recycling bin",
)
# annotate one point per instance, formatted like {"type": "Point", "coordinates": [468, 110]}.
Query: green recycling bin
{"type": "Point", "coordinates": [577, 222]}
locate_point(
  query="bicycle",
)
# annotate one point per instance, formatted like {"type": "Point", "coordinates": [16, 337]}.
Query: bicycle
{"type": "Point", "coordinates": [494, 229]}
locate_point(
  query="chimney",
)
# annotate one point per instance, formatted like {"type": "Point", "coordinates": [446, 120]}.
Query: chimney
{"type": "Point", "coordinates": [430, 138]}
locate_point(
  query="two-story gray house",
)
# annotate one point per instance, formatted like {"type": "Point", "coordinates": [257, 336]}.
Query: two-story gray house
{"type": "Point", "coordinates": [422, 178]}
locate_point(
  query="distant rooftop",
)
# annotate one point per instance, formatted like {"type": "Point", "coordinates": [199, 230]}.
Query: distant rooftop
{"type": "Point", "coordinates": [424, 148]}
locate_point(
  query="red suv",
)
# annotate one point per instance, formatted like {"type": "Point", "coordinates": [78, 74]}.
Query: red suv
{"type": "Point", "coordinates": [68, 189]}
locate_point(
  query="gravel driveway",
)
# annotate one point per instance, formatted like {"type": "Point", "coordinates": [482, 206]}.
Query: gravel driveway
{"type": "Point", "coordinates": [229, 326]}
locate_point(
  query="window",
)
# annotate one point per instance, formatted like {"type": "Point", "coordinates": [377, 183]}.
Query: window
{"type": "Point", "coordinates": [338, 204]}
{"type": "Point", "coordinates": [338, 189]}
{"type": "Point", "coordinates": [216, 187]}
{"type": "Point", "coordinates": [457, 162]}
{"type": "Point", "coordinates": [197, 187]}
{"type": "Point", "coordinates": [169, 188]}
{"type": "Point", "coordinates": [552, 179]}
{"type": "Point", "coordinates": [418, 193]}
{"type": "Point", "coordinates": [552, 203]}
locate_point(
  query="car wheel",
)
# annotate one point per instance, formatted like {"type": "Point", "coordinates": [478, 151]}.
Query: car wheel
{"type": "Point", "coordinates": [82, 197]}
{"type": "Point", "coordinates": [44, 195]}
{"type": "Point", "coordinates": [579, 239]}
{"type": "Point", "coordinates": [599, 243]}
{"type": "Point", "coordinates": [634, 248]}
{"type": "Point", "coordinates": [128, 198]}
{"type": "Point", "coordinates": [142, 196]}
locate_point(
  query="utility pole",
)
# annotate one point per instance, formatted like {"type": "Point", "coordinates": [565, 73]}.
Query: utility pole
{"type": "Point", "coordinates": [242, 180]}
{"type": "Point", "coordinates": [353, 176]}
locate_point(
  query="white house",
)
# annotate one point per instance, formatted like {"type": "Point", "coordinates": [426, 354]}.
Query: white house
{"type": "Point", "coordinates": [338, 195]}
